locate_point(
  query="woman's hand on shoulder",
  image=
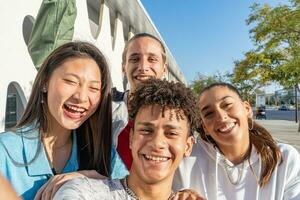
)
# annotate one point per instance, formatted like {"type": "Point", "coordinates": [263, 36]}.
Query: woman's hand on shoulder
{"type": "Point", "coordinates": [47, 191]}
{"type": "Point", "coordinates": [187, 194]}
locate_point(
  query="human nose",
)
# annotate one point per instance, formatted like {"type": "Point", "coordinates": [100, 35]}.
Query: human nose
{"type": "Point", "coordinates": [143, 65]}
{"type": "Point", "coordinates": [81, 94]}
{"type": "Point", "coordinates": [221, 115]}
{"type": "Point", "coordinates": [158, 140]}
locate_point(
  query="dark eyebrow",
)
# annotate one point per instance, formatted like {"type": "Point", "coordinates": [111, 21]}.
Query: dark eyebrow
{"type": "Point", "coordinates": [145, 123]}
{"type": "Point", "coordinates": [207, 106]}
{"type": "Point", "coordinates": [170, 126]}
{"type": "Point", "coordinates": [153, 54]}
{"type": "Point", "coordinates": [77, 77]}
{"type": "Point", "coordinates": [133, 54]}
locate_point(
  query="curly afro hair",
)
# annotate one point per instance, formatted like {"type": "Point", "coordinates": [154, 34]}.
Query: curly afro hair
{"type": "Point", "coordinates": [169, 95]}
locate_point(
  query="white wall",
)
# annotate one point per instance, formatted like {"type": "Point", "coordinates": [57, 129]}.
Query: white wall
{"type": "Point", "coordinates": [16, 64]}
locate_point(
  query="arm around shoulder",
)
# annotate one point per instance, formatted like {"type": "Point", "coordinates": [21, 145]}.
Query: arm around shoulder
{"type": "Point", "coordinates": [75, 189]}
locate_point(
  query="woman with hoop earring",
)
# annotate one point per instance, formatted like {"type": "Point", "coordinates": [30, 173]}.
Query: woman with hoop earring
{"type": "Point", "coordinates": [236, 158]}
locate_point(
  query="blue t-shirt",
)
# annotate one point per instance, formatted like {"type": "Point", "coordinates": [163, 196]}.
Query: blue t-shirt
{"type": "Point", "coordinates": [24, 146]}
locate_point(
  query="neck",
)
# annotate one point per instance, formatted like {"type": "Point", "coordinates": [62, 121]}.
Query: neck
{"type": "Point", "coordinates": [58, 147]}
{"type": "Point", "coordinates": [128, 99]}
{"type": "Point", "coordinates": [236, 153]}
{"type": "Point", "coordinates": [145, 191]}
{"type": "Point", "coordinates": [56, 137]}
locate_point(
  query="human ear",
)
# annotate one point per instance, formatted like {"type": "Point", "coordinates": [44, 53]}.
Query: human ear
{"type": "Point", "coordinates": [123, 69]}
{"type": "Point", "coordinates": [189, 146]}
{"type": "Point", "coordinates": [165, 68]}
{"type": "Point", "coordinates": [130, 137]}
{"type": "Point", "coordinates": [248, 109]}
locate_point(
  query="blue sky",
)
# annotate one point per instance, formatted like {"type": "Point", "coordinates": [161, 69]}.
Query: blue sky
{"type": "Point", "coordinates": [204, 36]}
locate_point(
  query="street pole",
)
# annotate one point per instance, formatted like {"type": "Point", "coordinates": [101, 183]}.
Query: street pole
{"type": "Point", "coordinates": [296, 104]}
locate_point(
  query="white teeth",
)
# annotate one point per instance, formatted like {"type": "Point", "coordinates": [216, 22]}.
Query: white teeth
{"type": "Point", "coordinates": [142, 77]}
{"type": "Point", "coordinates": [75, 108]}
{"type": "Point", "coordinates": [156, 158]}
{"type": "Point", "coordinates": [226, 127]}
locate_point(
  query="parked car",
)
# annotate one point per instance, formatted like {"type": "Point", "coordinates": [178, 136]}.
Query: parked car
{"type": "Point", "coordinates": [283, 107]}
{"type": "Point", "coordinates": [260, 112]}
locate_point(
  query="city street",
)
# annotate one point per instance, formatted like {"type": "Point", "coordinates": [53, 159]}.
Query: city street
{"type": "Point", "coordinates": [281, 115]}
{"type": "Point", "coordinates": [283, 131]}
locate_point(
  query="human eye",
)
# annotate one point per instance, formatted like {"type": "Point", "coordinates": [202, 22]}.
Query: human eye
{"type": "Point", "coordinates": [152, 59]}
{"type": "Point", "coordinates": [172, 133]}
{"type": "Point", "coordinates": [133, 59]}
{"type": "Point", "coordinates": [145, 131]}
{"type": "Point", "coordinates": [70, 81]}
{"type": "Point", "coordinates": [227, 104]}
{"type": "Point", "coordinates": [95, 89]}
{"type": "Point", "coordinates": [208, 114]}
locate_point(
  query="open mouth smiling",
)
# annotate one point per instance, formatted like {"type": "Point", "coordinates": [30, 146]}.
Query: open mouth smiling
{"type": "Point", "coordinates": [227, 127]}
{"type": "Point", "coordinates": [156, 158]}
{"type": "Point", "coordinates": [74, 111]}
{"type": "Point", "coordinates": [142, 77]}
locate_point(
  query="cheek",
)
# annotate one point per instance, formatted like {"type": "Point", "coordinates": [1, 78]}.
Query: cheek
{"type": "Point", "coordinates": [95, 99]}
{"type": "Point", "coordinates": [131, 68]}
{"type": "Point", "coordinates": [208, 125]}
{"type": "Point", "coordinates": [136, 144]}
{"type": "Point", "coordinates": [178, 148]}
{"type": "Point", "coordinates": [55, 97]}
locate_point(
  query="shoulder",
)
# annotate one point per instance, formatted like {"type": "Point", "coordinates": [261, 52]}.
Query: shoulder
{"type": "Point", "coordinates": [78, 187]}
{"type": "Point", "coordinates": [8, 136]}
{"type": "Point", "coordinates": [119, 103]}
{"type": "Point", "coordinates": [289, 153]}
{"type": "Point", "coordinates": [117, 95]}
{"type": "Point", "coordinates": [290, 161]}
{"type": "Point", "coordinates": [9, 142]}
{"type": "Point", "coordinates": [87, 188]}
{"type": "Point", "coordinates": [13, 143]}
{"type": "Point", "coordinates": [290, 169]}
{"type": "Point", "coordinates": [202, 149]}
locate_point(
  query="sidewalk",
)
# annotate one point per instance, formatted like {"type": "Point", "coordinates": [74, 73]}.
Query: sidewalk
{"type": "Point", "coordinates": [283, 131]}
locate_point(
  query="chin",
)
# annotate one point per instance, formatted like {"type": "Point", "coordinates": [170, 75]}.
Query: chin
{"type": "Point", "coordinates": [153, 177]}
{"type": "Point", "coordinates": [72, 125]}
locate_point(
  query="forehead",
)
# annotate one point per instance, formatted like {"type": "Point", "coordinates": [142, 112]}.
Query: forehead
{"type": "Point", "coordinates": [144, 45]}
{"type": "Point", "coordinates": [80, 66]}
{"type": "Point", "coordinates": [217, 94]}
{"type": "Point", "coordinates": [154, 113]}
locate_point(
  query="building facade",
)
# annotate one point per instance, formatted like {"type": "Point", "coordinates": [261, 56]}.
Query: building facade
{"type": "Point", "coordinates": [106, 23]}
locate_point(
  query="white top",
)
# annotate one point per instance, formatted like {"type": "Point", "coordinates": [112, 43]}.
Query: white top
{"type": "Point", "coordinates": [204, 171]}
{"type": "Point", "coordinates": [84, 188]}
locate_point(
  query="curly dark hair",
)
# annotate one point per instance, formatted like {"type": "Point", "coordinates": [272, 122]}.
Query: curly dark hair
{"type": "Point", "coordinates": [168, 95]}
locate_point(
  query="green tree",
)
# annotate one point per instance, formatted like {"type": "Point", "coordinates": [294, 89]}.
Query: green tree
{"type": "Point", "coordinates": [275, 32]}
{"type": "Point", "coordinates": [201, 80]}
{"type": "Point", "coordinates": [276, 35]}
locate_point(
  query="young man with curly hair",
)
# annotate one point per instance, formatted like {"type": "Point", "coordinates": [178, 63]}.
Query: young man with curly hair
{"type": "Point", "coordinates": [144, 57]}
{"type": "Point", "coordinates": [164, 115]}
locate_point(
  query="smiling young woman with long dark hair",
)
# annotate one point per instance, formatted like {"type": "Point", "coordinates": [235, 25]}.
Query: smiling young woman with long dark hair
{"type": "Point", "coordinates": [66, 125]}
{"type": "Point", "coordinates": [236, 158]}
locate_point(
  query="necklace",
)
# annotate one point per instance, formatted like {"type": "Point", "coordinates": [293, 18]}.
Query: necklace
{"type": "Point", "coordinates": [228, 170]}
{"type": "Point", "coordinates": [128, 190]}
{"type": "Point", "coordinates": [133, 195]}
